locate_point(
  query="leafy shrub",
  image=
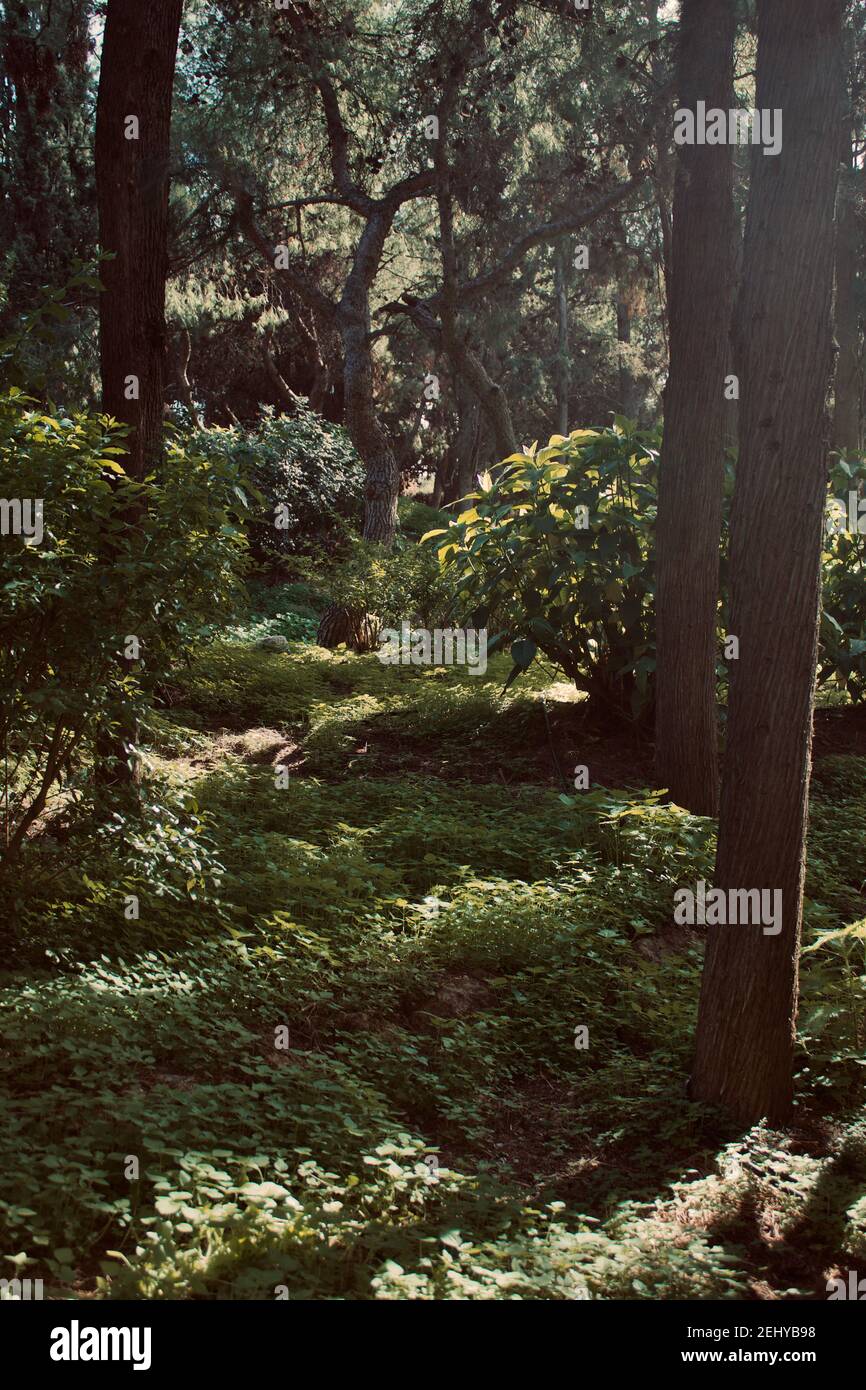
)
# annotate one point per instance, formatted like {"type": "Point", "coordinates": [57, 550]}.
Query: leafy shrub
{"type": "Point", "coordinates": [294, 626]}
{"type": "Point", "coordinates": [67, 609]}
{"type": "Point", "coordinates": [556, 549]}
{"type": "Point", "coordinates": [403, 583]}
{"type": "Point", "coordinates": [842, 656]}
{"type": "Point", "coordinates": [416, 516]}
{"type": "Point", "coordinates": [305, 598]}
{"type": "Point", "coordinates": [583, 595]}
{"type": "Point", "coordinates": [157, 850]}
{"type": "Point", "coordinates": [302, 464]}
{"type": "Point", "coordinates": [280, 610]}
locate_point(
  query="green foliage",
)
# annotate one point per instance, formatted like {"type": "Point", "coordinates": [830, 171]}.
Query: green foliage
{"type": "Point", "coordinates": [842, 658]}
{"type": "Point", "coordinates": [301, 464]}
{"type": "Point", "coordinates": [37, 348]}
{"type": "Point", "coordinates": [334, 702]}
{"type": "Point", "coordinates": [292, 611]}
{"type": "Point", "coordinates": [408, 1008]}
{"type": "Point", "coordinates": [583, 595]}
{"type": "Point", "coordinates": [405, 582]}
{"type": "Point", "coordinates": [417, 516]}
{"type": "Point", "coordinates": [159, 849]}
{"type": "Point", "coordinates": [556, 552]}
{"type": "Point", "coordinates": [431, 982]}
{"type": "Point", "coordinates": [73, 596]}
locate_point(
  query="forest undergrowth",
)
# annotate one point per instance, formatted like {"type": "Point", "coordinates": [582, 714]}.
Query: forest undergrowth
{"type": "Point", "coordinates": [384, 1008]}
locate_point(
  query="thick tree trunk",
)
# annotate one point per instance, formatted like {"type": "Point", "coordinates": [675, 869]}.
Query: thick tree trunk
{"type": "Point", "coordinates": [563, 359]}
{"type": "Point", "coordinates": [320, 387]}
{"type": "Point", "coordinates": [784, 344]}
{"type": "Point", "coordinates": [132, 175]}
{"type": "Point", "coordinates": [846, 413]}
{"type": "Point", "coordinates": [133, 124]}
{"type": "Point", "coordinates": [692, 469]}
{"type": "Point", "coordinates": [374, 448]}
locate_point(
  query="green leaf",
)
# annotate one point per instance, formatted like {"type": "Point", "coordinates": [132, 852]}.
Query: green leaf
{"type": "Point", "coordinates": [523, 653]}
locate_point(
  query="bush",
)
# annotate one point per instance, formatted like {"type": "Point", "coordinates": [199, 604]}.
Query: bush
{"type": "Point", "coordinates": [303, 465]}
{"type": "Point", "coordinates": [842, 657]}
{"type": "Point", "coordinates": [583, 595]}
{"type": "Point", "coordinates": [279, 610]}
{"type": "Point", "coordinates": [415, 517]}
{"type": "Point", "coordinates": [556, 548]}
{"type": "Point", "coordinates": [403, 583]}
{"type": "Point", "coordinates": [68, 611]}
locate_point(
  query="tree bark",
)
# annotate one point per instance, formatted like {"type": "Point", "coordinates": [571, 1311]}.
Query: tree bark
{"type": "Point", "coordinates": [132, 175]}
{"type": "Point", "coordinates": [136, 78]}
{"type": "Point", "coordinates": [182, 354]}
{"type": "Point", "coordinates": [784, 345]}
{"type": "Point", "coordinates": [563, 359]}
{"type": "Point", "coordinates": [846, 412]}
{"type": "Point", "coordinates": [382, 476]}
{"type": "Point", "coordinates": [275, 376]}
{"type": "Point", "coordinates": [467, 442]}
{"type": "Point", "coordinates": [692, 469]}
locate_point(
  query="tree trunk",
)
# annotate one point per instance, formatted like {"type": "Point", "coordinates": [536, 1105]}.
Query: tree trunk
{"type": "Point", "coordinates": [182, 353]}
{"type": "Point", "coordinates": [563, 360]}
{"type": "Point", "coordinates": [467, 443]}
{"type": "Point", "coordinates": [846, 413]}
{"type": "Point", "coordinates": [692, 469]}
{"type": "Point", "coordinates": [281, 387]}
{"type": "Point", "coordinates": [491, 398]}
{"type": "Point", "coordinates": [748, 1005]}
{"type": "Point", "coordinates": [374, 448]}
{"type": "Point", "coordinates": [382, 477]}
{"type": "Point", "coordinates": [132, 175]}
{"type": "Point", "coordinates": [133, 124]}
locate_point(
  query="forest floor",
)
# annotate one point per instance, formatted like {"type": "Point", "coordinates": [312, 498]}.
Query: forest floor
{"type": "Point", "coordinates": [336, 1051]}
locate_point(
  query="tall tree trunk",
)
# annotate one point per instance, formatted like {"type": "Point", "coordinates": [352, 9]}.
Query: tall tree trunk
{"type": "Point", "coordinates": [563, 359]}
{"type": "Point", "coordinates": [692, 469]}
{"type": "Point", "coordinates": [455, 472]}
{"type": "Point", "coordinates": [846, 412]}
{"type": "Point", "coordinates": [468, 442]}
{"type": "Point", "coordinates": [381, 476]}
{"type": "Point", "coordinates": [468, 366]}
{"type": "Point", "coordinates": [132, 175]}
{"type": "Point", "coordinates": [133, 125]}
{"type": "Point", "coordinates": [784, 342]}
